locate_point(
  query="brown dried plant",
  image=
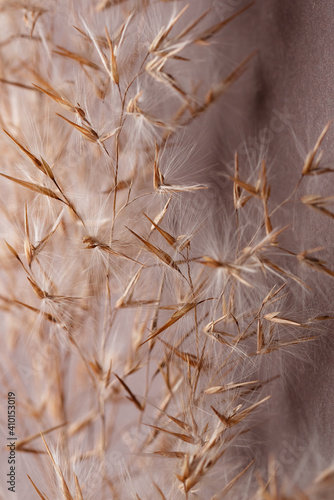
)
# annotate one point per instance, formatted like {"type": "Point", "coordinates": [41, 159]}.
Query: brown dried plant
{"type": "Point", "coordinates": [133, 332]}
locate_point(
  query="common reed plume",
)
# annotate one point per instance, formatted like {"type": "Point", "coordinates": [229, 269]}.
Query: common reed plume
{"type": "Point", "coordinates": [152, 297]}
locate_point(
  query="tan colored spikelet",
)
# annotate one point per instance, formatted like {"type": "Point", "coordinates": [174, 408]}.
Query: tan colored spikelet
{"type": "Point", "coordinates": [173, 319]}
{"type": "Point", "coordinates": [311, 165]}
{"type": "Point", "coordinates": [113, 63]}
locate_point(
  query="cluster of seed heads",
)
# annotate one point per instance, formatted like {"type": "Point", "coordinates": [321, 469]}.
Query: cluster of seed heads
{"type": "Point", "coordinates": [123, 307]}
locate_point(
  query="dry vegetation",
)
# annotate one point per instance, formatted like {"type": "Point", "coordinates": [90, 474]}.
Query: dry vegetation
{"type": "Point", "coordinates": [133, 323]}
